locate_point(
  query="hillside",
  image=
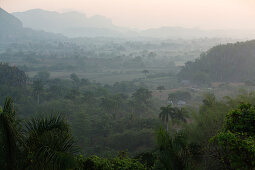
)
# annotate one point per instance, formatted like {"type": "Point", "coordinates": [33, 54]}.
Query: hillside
{"type": "Point", "coordinates": [12, 30]}
{"type": "Point", "coordinates": [8, 21]}
{"type": "Point", "coordinates": [229, 63]}
{"type": "Point", "coordinates": [72, 24]}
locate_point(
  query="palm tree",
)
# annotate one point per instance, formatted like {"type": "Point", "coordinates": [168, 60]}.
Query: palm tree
{"type": "Point", "coordinates": [37, 89]}
{"type": "Point", "coordinates": [9, 134]}
{"type": "Point", "coordinates": [51, 145]}
{"type": "Point", "coordinates": [46, 142]}
{"type": "Point", "coordinates": [173, 113]}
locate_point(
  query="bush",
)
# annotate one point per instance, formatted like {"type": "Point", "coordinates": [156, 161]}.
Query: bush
{"type": "Point", "coordinates": [96, 163]}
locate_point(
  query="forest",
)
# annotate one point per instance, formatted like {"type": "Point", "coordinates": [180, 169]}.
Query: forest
{"type": "Point", "coordinates": [229, 63]}
{"type": "Point", "coordinates": [78, 124]}
{"type": "Point", "coordinates": [131, 103]}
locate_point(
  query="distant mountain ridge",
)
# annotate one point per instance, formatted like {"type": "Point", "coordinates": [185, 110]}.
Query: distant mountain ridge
{"type": "Point", "coordinates": [8, 21]}
{"type": "Point", "coordinates": [67, 19]}
{"type": "Point", "coordinates": [12, 30]}
{"type": "Point", "coordinates": [72, 24]}
{"type": "Point", "coordinates": [76, 24]}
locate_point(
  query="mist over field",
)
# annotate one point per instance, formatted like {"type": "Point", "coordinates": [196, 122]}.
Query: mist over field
{"type": "Point", "coordinates": [146, 84]}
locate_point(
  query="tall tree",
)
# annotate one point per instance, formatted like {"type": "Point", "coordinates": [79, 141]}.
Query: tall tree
{"type": "Point", "coordinates": [9, 135]}
{"type": "Point", "coordinates": [171, 113]}
{"type": "Point", "coordinates": [43, 76]}
{"type": "Point", "coordinates": [38, 89]}
{"type": "Point", "coordinates": [12, 76]}
{"type": "Point", "coordinates": [160, 88]}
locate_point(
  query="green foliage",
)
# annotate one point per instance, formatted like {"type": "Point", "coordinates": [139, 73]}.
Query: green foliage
{"type": "Point", "coordinates": [172, 113]}
{"type": "Point", "coordinates": [230, 62]}
{"type": "Point", "coordinates": [236, 143]}
{"type": "Point", "coordinates": [147, 158]}
{"type": "Point", "coordinates": [50, 143]}
{"type": "Point", "coordinates": [12, 76]}
{"type": "Point", "coordinates": [174, 152]}
{"type": "Point", "coordinates": [241, 120]}
{"type": "Point", "coordinates": [142, 95]}
{"type": "Point", "coordinates": [42, 76]}
{"type": "Point", "coordinates": [42, 143]}
{"type": "Point", "coordinates": [96, 163]}
{"type": "Point", "coordinates": [9, 136]}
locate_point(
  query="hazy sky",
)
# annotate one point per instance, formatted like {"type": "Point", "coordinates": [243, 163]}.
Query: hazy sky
{"type": "Point", "coordinates": [212, 14]}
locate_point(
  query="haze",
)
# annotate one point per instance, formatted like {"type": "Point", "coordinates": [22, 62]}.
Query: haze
{"type": "Point", "coordinates": [206, 14]}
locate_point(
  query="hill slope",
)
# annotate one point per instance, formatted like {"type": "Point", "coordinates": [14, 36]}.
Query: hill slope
{"type": "Point", "coordinates": [73, 24]}
{"type": "Point", "coordinates": [230, 62]}
{"type": "Point", "coordinates": [12, 30]}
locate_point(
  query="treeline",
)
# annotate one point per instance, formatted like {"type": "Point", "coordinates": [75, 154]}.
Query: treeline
{"type": "Point", "coordinates": [223, 63]}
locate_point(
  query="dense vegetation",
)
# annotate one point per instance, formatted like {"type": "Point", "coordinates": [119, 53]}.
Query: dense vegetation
{"type": "Point", "coordinates": [223, 63]}
{"type": "Point", "coordinates": [106, 119]}
{"type": "Point", "coordinates": [121, 128]}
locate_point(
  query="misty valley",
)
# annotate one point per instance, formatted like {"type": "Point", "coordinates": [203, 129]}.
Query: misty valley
{"type": "Point", "coordinates": [79, 92]}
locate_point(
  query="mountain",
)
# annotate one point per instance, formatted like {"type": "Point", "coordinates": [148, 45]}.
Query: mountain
{"type": "Point", "coordinates": [222, 63]}
{"type": "Point", "coordinates": [8, 21]}
{"type": "Point", "coordinates": [12, 30]}
{"type": "Point", "coordinates": [72, 24]}
{"type": "Point", "coordinates": [76, 24]}
{"type": "Point", "coordinates": [9, 25]}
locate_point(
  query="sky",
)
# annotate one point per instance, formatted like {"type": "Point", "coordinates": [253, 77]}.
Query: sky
{"type": "Point", "coordinates": [143, 14]}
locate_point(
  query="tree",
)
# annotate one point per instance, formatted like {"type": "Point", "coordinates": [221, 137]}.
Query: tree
{"type": "Point", "coordinates": [44, 142]}
{"type": "Point", "coordinates": [142, 100]}
{"type": "Point", "coordinates": [38, 89]}
{"type": "Point", "coordinates": [160, 88]}
{"type": "Point", "coordinates": [12, 76]}
{"type": "Point", "coordinates": [235, 143]}
{"type": "Point", "coordinates": [209, 99]}
{"type": "Point", "coordinates": [145, 72]}
{"type": "Point", "coordinates": [174, 152]}
{"type": "Point", "coordinates": [51, 145]}
{"type": "Point", "coordinates": [172, 113]}
{"type": "Point", "coordinates": [9, 136]}
{"type": "Point", "coordinates": [76, 80]}
{"type": "Point", "coordinates": [42, 76]}
{"type": "Point", "coordinates": [142, 95]}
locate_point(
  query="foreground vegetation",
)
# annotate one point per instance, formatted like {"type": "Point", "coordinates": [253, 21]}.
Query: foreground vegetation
{"type": "Point", "coordinates": [209, 142]}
